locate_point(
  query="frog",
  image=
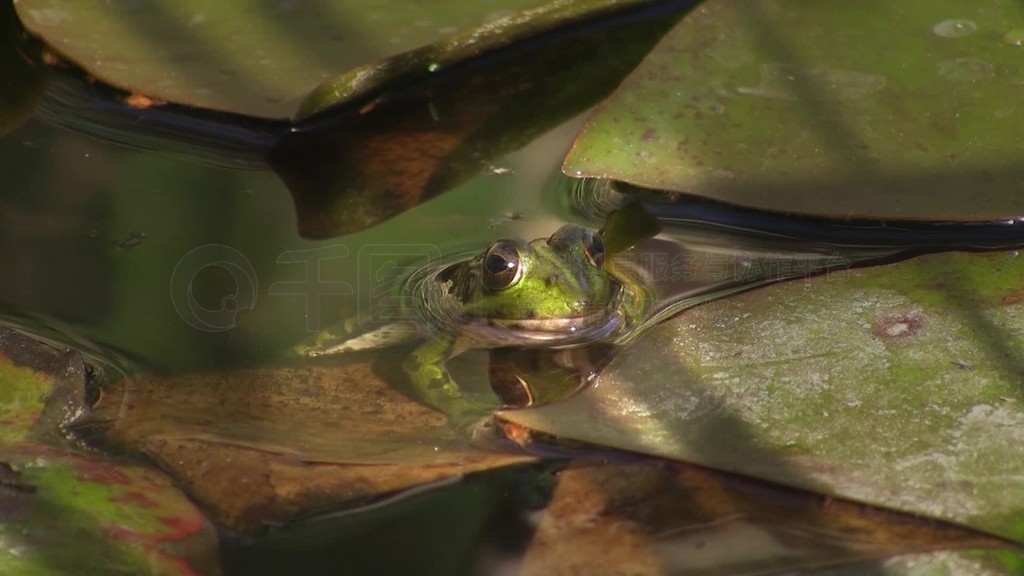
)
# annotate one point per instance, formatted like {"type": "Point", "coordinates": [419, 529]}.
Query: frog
{"type": "Point", "coordinates": [560, 291]}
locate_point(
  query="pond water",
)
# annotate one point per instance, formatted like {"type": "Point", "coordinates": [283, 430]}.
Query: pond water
{"type": "Point", "coordinates": [153, 264]}
{"type": "Point", "coordinates": [179, 265]}
{"type": "Point", "coordinates": [184, 273]}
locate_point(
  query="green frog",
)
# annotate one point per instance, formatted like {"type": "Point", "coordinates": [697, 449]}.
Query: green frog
{"type": "Point", "coordinates": [555, 292]}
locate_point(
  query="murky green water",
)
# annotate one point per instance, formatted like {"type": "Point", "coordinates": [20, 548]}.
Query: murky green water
{"type": "Point", "coordinates": [179, 266]}
{"type": "Point", "coordinates": [192, 281]}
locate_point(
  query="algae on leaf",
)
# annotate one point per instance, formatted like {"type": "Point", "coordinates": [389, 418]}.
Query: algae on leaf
{"type": "Point", "coordinates": [64, 511]}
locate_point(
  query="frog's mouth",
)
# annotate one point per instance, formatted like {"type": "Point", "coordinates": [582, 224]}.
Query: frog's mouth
{"type": "Point", "coordinates": [599, 324]}
{"type": "Point", "coordinates": [561, 324]}
{"type": "Point", "coordinates": [442, 310]}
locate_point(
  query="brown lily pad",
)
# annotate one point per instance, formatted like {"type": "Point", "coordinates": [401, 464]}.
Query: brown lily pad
{"type": "Point", "coordinates": [653, 517]}
{"type": "Point", "coordinates": [302, 440]}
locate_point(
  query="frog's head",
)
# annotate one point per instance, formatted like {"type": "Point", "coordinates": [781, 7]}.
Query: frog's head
{"type": "Point", "coordinates": [548, 290]}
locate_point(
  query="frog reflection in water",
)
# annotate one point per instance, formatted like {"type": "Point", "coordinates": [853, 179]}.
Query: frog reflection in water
{"type": "Point", "coordinates": [555, 292]}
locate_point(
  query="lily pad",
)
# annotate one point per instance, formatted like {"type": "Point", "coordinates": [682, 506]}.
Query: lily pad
{"type": "Point", "coordinates": [396, 133]}
{"type": "Point", "coordinates": [456, 50]}
{"type": "Point", "coordinates": [897, 385]}
{"type": "Point", "coordinates": [63, 511]}
{"type": "Point", "coordinates": [648, 517]}
{"type": "Point", "coordinates": [783, 106]}
{"type": "Point", "coordinates": [255, 58]}
{"type": "Point", "coordinates": [303, 440]}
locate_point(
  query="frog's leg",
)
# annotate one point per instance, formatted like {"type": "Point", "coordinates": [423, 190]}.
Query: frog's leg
{"type": "Point", "coordinates": [426, 369]}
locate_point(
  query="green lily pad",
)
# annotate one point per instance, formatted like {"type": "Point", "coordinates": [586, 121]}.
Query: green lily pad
{"type": "Point", "coordinates": [66, 512]}
{"type": "Point", "coordinates": [429, 60]}
{"type": "Point", "coordinates": [789, 106]}
{"type": "Point", "coordinates": [396, 133]}
{"type": "Point", "coordinates": [897, 385]}
{"type": "Point", "coordinates": [87, 514]}
{"type": "Point", "coordinates": [255, 58]}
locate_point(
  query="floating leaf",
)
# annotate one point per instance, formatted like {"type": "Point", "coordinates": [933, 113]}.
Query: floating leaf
{"type": "Point", "coordinates": [897, 385]}
{"type": "Point", "coordinates": [460, 49]}
{"type": "Point", "coordinates": [784, 106]}
{"type": "Point", "coordinates": [254, 58]}
{"type": "Point", "coordinates": [64, 512]}
{"type": "Point", "coordinates": [419, 133]}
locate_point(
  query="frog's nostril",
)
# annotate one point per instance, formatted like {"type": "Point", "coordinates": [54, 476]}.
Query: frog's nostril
{"type": "Point", "coordinates": [553, 278]}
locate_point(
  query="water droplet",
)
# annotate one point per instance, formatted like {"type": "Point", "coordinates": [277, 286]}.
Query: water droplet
{"type": "Point", "coordinates": [954, 28]}
{"type": "Point", "coordinates": [1014, 37]}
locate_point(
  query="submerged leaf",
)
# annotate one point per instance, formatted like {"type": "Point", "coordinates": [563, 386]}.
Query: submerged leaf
{"type": "Point", "coordinates": [304, 440]}
{"type": "Point", "coordinates": [648, 517]}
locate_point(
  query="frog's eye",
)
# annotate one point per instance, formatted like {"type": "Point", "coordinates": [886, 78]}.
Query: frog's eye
{"type": "Point", "coordinates": [502, 267]}
{"type": "Point", "coordinates": [594, 246]}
